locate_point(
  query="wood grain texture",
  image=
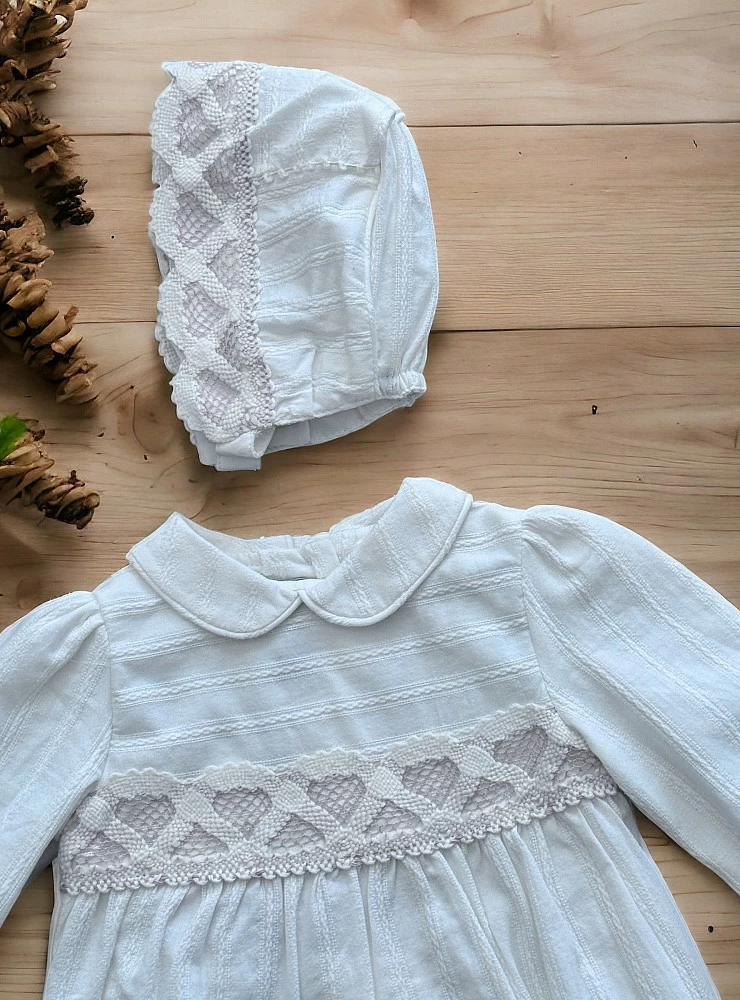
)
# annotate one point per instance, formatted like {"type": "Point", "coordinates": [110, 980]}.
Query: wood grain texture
{"type": "Point", "coordinates": [446, 62]}
{"type": "Point", "coordinates": [547, 227]}
{"type": "Point", "coordinates": [508, 416]}
{"type": "Point", "coordinates": [558, 216]}
{"type": "Point", "coordinates": [23, 939]}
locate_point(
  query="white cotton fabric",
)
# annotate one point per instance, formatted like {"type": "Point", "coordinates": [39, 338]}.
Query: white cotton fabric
{"type": "Point", "coordinates": [590, 668]}
{"type": "Point", "coordinates": [294, 235]}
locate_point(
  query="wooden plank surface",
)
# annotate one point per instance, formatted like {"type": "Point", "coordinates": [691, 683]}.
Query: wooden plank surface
{"type": "Point", "coordinates": [507, 416]}
{"type": "Point", "coordinates": [545, 227]}
{"type": "Point", "coordinates": [528, 61]}
{"type": "Point", "coordinates": [588, 251]}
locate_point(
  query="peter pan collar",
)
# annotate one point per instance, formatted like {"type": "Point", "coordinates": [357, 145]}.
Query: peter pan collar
{"type": "Point", "coordinates": [365, 567]}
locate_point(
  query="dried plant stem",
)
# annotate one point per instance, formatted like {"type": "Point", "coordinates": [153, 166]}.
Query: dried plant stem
{"type": "Point", "coordinates": [25, 475]}
{"type": "Point", "coordinates": [29, 322]}
{"type": "Point", "coordinates": [30, 42]}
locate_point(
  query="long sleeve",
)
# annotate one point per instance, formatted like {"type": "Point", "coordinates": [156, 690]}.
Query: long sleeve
{"type": "Point", "coordinates": [54, 728]}
{"type": "Point", "coordinates": [643, 659]}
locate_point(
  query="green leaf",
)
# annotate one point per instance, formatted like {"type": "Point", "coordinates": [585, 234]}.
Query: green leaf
{"type": "Point", "coordinates": [12, 430]}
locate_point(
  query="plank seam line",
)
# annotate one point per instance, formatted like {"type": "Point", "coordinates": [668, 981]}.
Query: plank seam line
{"type": "Point", "coordinates": [497, 329]}
{"type": "Point", "coordinates": [412, 125]}
{"type": "Point", "coordinates": [674, 124]}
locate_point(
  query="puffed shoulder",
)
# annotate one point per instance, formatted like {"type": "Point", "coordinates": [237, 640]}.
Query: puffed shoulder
{"type": "Point", "coordinates": [577, 545]}
{"type": "Point", "coordinates": [54, 631]}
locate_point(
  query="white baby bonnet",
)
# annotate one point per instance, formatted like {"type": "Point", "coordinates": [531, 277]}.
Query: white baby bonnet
{"type": "Point", "coordinates": [294, 234]}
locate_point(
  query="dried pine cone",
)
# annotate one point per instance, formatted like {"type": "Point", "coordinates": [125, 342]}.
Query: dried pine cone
{"type": "Point", "coordinates": [29, 322]}
{"type": "Point", "coordinates": [30, 41]}
{"type": "Point", "coordinates": [24, 476]}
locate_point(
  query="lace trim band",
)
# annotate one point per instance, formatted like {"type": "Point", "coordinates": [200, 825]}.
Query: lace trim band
{"type": "Point", "coordinates": [203, 228]}
{"type": "Point", "coordinates": [327, 810]}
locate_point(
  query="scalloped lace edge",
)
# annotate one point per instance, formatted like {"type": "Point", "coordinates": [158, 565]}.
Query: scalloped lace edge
{"type": "Point", "coordinates": [329, 809]}
{"type": "Point", "coordinates": [317, 863]}
{"type": "Point", "coordinates": [194, 420]}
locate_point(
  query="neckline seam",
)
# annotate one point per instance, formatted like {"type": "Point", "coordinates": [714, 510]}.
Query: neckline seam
{"type": "Point", "coordinates": [215, 588]}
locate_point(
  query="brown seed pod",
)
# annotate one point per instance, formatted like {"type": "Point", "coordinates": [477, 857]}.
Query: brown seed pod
{"type": "Point", "coordinates": [30, 41]}
{"type": "Point", "coordinates": [29, 322]}
{"type": "Point", "coordinates": [25, 476]}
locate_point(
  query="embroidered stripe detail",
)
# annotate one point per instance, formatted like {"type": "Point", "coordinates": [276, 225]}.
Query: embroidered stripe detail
{"type": "Point", "coordinates": [415, 693]}
{"type": "Point", "coordinates": [323, 662]}
{"type": "Point", "coordinates": [328, 810]}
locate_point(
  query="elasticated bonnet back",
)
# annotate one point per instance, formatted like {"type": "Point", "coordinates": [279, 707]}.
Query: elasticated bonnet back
{"type": "Point", "coordinates": [294, 234]}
